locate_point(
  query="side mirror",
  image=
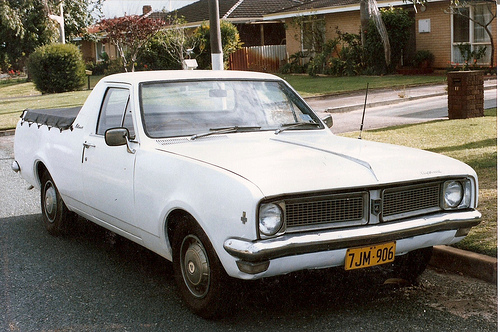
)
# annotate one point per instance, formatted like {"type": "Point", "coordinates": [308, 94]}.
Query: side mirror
{"type": "Point", "coordinates": [116, 136]}
{"type": "Point", "coordinates": [328, 120]}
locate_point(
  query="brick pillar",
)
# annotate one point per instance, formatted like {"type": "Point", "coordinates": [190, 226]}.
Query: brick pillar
{"type": "Point", "coordinates": [465, 94]}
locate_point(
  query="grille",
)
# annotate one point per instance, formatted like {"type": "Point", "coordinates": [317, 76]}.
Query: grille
{"type": "Point", "coordinates": [341, 210]}
{"type": "Point", "coordinates": [409, 201]}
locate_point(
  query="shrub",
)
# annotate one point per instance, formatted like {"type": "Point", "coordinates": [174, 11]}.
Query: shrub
{"type": "Point", "coordinates": [398, 24]}
{"type": "Point", "coordinates": [295, 64]}
{"type": "Point", "coordinates": [423, 59]}
{"type": "Point", "coordinates": [319, 64]}
{"type": "Point", "coordinates": [153, 56]}
{"type": "Point", "coordinates": [57, 68]}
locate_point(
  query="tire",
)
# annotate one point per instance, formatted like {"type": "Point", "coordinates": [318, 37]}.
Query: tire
{"type": "Point", "coordinates": [55, 214]}
{"type": "Point", "coordinates": [412, 265]}
{"type": "Point", "coordinates": [200, 277]}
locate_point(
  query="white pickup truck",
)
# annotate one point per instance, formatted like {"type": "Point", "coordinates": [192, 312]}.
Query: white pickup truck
{"type": "Point", "coordinates": [232, 175]}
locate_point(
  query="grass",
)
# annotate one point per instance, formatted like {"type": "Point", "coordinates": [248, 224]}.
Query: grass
{"type": "Point", "coordinates": [18, 95]}
{"type": "Point", "coordinates": [473, 141]}
{"type": "Point", "coordinates": [309, 86]}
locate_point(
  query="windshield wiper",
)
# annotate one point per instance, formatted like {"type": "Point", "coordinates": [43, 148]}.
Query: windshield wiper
{"type": "Point", "coordinates": [225, 130]}
{"type": "Point", "coordinates": [287, 126]}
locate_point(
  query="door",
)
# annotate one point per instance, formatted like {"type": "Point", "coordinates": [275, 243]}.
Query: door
{"type": "Point", "coordinates": [108, 171]}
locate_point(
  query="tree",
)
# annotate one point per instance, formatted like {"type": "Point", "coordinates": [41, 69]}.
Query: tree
{"type": "Point", "coordinates": [455, 9]}
{"type": "Point", "coordinates": [176, 42]}
{"type": "Point", "coordinates": [369, 8]}
{"type": "Point", "coordinates": [25, 25]}
{"type": "Point", "coordinates": [129, 34]}
{"type": "Point", "coordinates": [398, 24]}
{"type": "Point", "coordinates": [78, 15]}
{"type": "Point", "coordinates": [230, 42]}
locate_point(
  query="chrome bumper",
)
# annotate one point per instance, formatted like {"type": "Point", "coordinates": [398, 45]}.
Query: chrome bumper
{"type": "Point", "coordinates": [302, 243]}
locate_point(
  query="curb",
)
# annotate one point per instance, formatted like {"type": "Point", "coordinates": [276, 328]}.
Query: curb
{"type": "Point", "coordinates": [345, 109]}
{"type": "Point", "coordinates": [8, 132]}
{"type": "Point", "coordinates": [353, 107]}
{"type": "Point", "coordinates": [465, 262]}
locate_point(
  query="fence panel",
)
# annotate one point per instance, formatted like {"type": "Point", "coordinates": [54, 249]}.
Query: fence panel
{"type": "Point", "coordinates": [267, 58]}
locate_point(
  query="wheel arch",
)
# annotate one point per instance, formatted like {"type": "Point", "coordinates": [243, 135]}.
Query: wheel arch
{"type": "Point", "coordinates": [40, 169]}
{"type": "Point", "coordinates": [173, 220]}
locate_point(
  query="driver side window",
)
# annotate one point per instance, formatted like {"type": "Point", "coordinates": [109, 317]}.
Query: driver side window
{"type": "Point", "coordinates": [115, 111]}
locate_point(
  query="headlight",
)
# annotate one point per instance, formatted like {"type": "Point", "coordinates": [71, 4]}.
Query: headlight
{"type": "Point", "coordinates": [270, 219]}
{"type": "Point", "coordinates": [456, 194]}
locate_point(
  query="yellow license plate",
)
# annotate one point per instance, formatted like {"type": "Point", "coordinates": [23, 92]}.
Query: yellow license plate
{"type": "Point", "coordinates": [358, 258]}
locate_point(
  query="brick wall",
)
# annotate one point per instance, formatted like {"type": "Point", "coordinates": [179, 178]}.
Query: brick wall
{"type": "Point", "coordinates": [438, 40]}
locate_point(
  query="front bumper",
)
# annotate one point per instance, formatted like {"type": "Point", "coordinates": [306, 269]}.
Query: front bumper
{"type": "Point", "coordinates": [259, 253]}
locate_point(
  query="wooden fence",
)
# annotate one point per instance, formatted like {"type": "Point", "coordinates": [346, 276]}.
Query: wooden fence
{"type": "Point", "coordinates": [267, 58]}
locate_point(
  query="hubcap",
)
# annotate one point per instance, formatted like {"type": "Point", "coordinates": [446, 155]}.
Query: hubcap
{"type": "Point", "coordinates": [50, 202]}
{"type": "Point", "coordinates": [195, 266]}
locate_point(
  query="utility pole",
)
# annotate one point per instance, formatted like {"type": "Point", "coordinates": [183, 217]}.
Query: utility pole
{"type": "Point", "coordinates": [60, 20]}
{"type": "Point", "coordinates": [215, 37]}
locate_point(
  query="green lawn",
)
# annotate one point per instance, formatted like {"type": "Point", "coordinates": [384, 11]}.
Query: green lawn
{"type": "Point", "coordinates": [17, 96]}
{"type": "Point", "coordinates": [309, 86]}
{"type": "Point", "coordinates": [473, 141]}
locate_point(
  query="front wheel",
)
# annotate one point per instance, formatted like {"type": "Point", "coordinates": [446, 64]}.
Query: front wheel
{"type": "Point", "coordinates": [55, 214]}
{"type": "Point", "coordinates": [412, 265]}
{"type": "Point", "coordinates": [200, 277]}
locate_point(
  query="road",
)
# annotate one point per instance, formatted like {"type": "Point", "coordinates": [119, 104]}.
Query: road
{"type": "Point", "coordinates": [408, 112]}
{"type": "Point", "coordinates": [89, 281]}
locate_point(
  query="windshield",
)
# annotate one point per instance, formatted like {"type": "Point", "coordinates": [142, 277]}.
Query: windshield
{"type": "Point", "coordinates": [195, 107]}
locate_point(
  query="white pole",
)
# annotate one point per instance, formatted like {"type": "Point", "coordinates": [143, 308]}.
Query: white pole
{"type": "Point", "coordinates": [60, 20]}
{"type": "Point", "coordinates": [63, 36]}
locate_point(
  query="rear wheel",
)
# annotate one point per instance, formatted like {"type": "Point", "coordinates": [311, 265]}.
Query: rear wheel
{"type": "Point", "coordinates": [55, 214]}
{"type": "Point", "coordinates": [412, 265]}
{"type": "Point", "coordinates": [200, 277]}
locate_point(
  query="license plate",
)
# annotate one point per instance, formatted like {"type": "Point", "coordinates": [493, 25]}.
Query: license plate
{"type": "Point", "coordinates": [358, 258]}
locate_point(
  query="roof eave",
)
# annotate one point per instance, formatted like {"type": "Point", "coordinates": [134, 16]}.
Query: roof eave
{"type": "Point", "coordinates": [333, 9]}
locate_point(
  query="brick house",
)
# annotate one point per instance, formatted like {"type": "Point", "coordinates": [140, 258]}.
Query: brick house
{"type": "Point", "coordinates": [435, 29]}
{"type": "Point", "coordinates": [270, 22]}
{"type": "Point", "coordinates": [93, 50]}
{"type": "Point", "coordinates": [246, 15]}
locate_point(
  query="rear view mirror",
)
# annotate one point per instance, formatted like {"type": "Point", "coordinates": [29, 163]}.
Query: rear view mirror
{"type": "Point", "coordinates": [116, 136]}
{"type": "Point", "coordinates": [218, 93]}
{"type": "Point", "coordinates": [328, 120]}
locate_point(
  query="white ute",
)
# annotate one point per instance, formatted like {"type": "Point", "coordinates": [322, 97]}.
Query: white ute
{"type": "Point", "coordinates": [232, 175]}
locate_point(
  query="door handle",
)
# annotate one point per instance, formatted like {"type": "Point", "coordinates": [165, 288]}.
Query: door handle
{"type": "Point", "coordinates": [86, 145]}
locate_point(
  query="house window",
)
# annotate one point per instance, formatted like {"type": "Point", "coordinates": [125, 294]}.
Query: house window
{"type": "Point", "coordinates": [468, 35]}
{"type": "Point", "coordinates": [100, 51]}
{"type": "Point", "coordinates": [312, 35]}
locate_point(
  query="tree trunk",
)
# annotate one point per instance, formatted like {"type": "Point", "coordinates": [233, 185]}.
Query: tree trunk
{"type": "Point", "coordinates": [365, 19]}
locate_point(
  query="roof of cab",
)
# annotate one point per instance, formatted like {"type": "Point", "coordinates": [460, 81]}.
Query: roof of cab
{"type": "Point", "coordinates": [175, 75]}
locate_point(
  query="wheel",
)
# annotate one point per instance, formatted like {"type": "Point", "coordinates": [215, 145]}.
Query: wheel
{"type": "Point", "coordinates": [412, 265]}
{"type": "Point", "coordinates": [55, 214]}
{"type": "Point", "coordinates": [200, 277]}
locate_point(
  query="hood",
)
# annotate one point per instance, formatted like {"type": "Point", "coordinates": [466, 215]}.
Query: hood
{"type": "Point", "coordinates": [298, 162]}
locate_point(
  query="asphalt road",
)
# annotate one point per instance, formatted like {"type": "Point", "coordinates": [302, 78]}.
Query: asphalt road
{"type": "Point", "coordinates": [88, 281]}
{"type": "Point", "coordinates": [403, 113]}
